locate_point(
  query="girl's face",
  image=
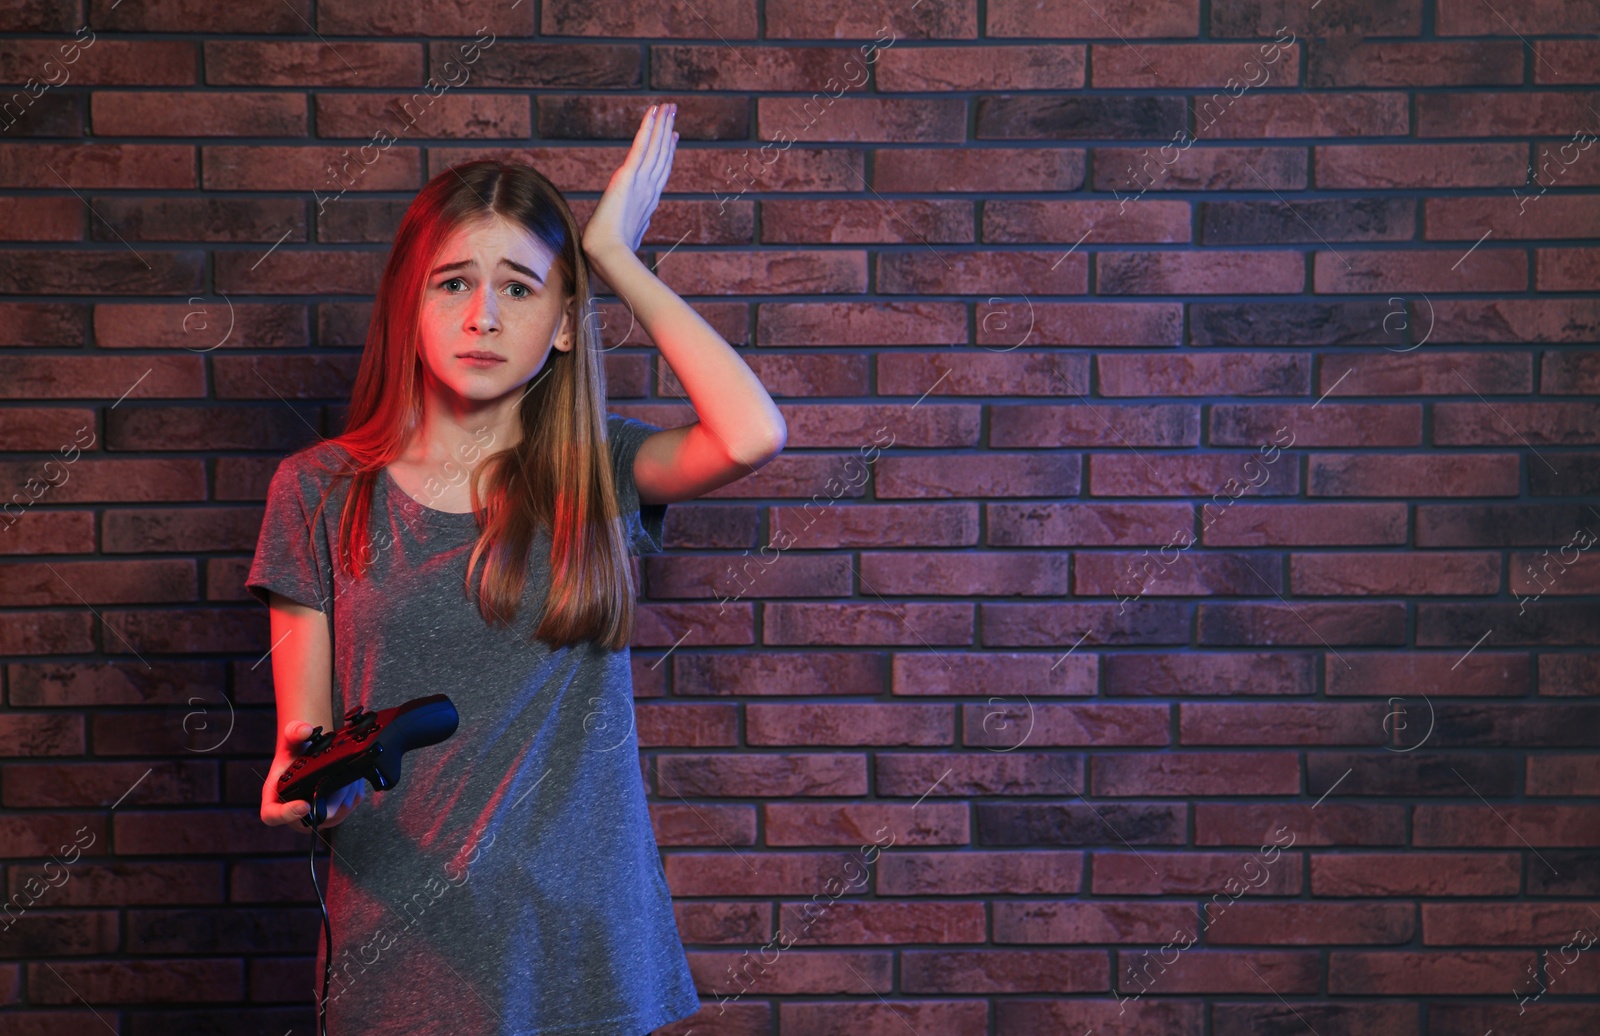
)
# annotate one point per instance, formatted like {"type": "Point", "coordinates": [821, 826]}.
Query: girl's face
{"type": "Point", "coordinates": [492, 292]}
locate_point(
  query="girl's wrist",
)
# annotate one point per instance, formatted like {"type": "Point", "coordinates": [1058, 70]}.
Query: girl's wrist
{"type": "Point", "coordinates": [603, 256]}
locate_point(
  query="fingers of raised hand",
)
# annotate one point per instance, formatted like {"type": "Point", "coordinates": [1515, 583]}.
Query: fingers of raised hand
{"type": "Point", "coordinates": [662, 144]}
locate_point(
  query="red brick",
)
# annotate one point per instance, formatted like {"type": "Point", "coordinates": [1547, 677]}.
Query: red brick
{"type": "Point", "coordinates": [1569, 374]}
{"type": "Point", "coordinates": [861, 119]}
{"type": "Point", "coordinates": [1096, 525]}
{"type": "Point", "coordinates": [1569, 675]}
{"type": "Point", "coordinates": [1205, 374]}
{"type": "Point", "coordinates": [191, 980]}
{"type": "Point", "coordinates": [842, 723]}
{"type": "Point", "coordinates": [1531, 573]}
{"type": "Point", "coordinates": [1567, 269]}
{"type": "Point", "coordinates": [718, 774]}
{"type": "Point", "coordinates": [1188, 575]}
{"type": "Point", "coordinates": [976, 773]}
{"type": "Point", "coordinates": [456, 116]}
{"type": "Point", "coordinates": [1421, 165]}
{"type": "Point", "coordinates": [1196, 874]}
{"type": "Point", "coordinates": [1313, 824]}
{"type": "Point", "coordinates": [1203, 169]}
{"type": "Point", "coordinates": [1510, 218]}
{"type": "Point", "coordinates": [788, 18]}
{"type": "Point", "coordinates": [1361, 17]}
{"type": "Point", "coordinates": [1478, 924]}
{"type": "Point", "coordinates": [239, 167]}
{"type": "Point", "coordinates": [1564, 775]}
{"type": "Point", "coordinates": [1465, 18]}
{"type": "Point", "coordinates": [975, 67]}
{"type": "Point", "coordinates": [1475, 1019]}
{"type": "Point", "coordinates": [966, 574]}
{"type": "Point", "coordinates": [1302, 115]}
{"type": "Point", "coordinates": [1256, 723]}
{"type": "Point", "coordinates": [1407, 475]}
{"type": "Point", "coordinates": [883, 923]}
{"type": "Point", "coordinates": [1198, 273]}
{"type": "Point", "coordinates": [1505, 114]}
{"type": "Point", "coordinates": [221, 113]}
{"type": "Point", "coordinates": [1311, 924]}
{"type": "Point", "coordinates": [1092, 222]}
{"type": "Point", "coordinates": [1387, 574]}
{"type": "Point", "coordinates": [1003, 971]}
{"type": "Point", "coordinates": [1089, 921]}
{"type": "Point", "coordinates": [1130, 18]}
{"type": "Point", "coordinates": [1219, 971]}
{"type": "Point", "coordinates": [392, 18]}
{"type": "Point", "coordinates": [1416, 874]}
{"type": "Point", "coordinates": [1302, 623]}
{"type": "Point", "coordinates": [1486, 269]}
{"type": "Point", "coordinates": [1093, 424]}
{"type": "Point", "coordinates": [905, 273]}
{"type": "Point", "coordinates": [1187, 475]}
{"type": "Point", "coordinates": [1564, 62]}
{"type": "Point", "coordinates": [1030, 674]}
{"type": "Point", "coordinates": [1515, 424]}
{"type": "Point", "coordinates": [985, 169]}
{"type": "Point", "coordinates": [1295, 525]}
{"type": "Point", "coordinates": [1194, 65]}
{"type": "Point", "coordinates": [1000, 475]}
{"type": "Point", "coordinates": [975, 872]}
{"type": "Point", "coordinates": [296, 63]}
{"type": "Point", "coordinates": [1402, 974]}
{"type": "Point", "coordinates": [788, 221]}
{"type": "Point", "coordinates": [1202, 674]}
{"type": "Point", "coordinates": [1508, 825]}
{"type": "Point", "coordinates": [1518, 320]}
{"type": "Point", "coordinates": [1196, 773]}
{"type": "Point", "coordinates": [864, 525]}
{"type": "Point", "coordinates": [1432, 373]}
{"type": "Point", "coordinates": [1249, 1019]}
{"type": "Point", "coordinates": [1077, 324]}
{"type": "Point", "coordinates": [804, 823]}
{"type": "Point", "coordinates": [1353, 61]}
{"type": "Point", "coordinates": [1008, 724]}
{"type": "Point", "coordinates": [1059, 626]}
{"type": "Point", "coordinates": [860, 323]}
{"type": "Point", "coordinates": [1327, 424]}
{"type": "Point", "coordinates": [1484, 673]}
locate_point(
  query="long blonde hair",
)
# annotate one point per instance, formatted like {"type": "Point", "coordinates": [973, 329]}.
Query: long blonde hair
{"type": "Point", "coordinates": [558, 477]}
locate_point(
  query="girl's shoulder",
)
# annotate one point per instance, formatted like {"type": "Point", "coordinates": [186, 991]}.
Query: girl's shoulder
{"type": "Point", "coordinates": [321, 461]}
{"type": "Point", "coordinates": [312, 472]}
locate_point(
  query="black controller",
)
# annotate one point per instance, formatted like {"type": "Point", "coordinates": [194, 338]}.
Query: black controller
{"type": "Point", "coordinates": [370, 745]}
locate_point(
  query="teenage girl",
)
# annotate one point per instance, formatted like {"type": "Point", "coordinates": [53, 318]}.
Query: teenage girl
{"type": "Point", "coordinates": [471, 533]}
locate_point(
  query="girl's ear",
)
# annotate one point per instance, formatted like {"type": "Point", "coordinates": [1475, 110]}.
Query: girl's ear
{"type": "Point", "coordinates": [564, 336]}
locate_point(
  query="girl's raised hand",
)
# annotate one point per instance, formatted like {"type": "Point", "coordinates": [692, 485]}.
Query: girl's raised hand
{"type": "Point", "coordinates": [620, 219]}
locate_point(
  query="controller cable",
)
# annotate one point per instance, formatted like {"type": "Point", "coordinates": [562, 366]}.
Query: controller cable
{"type": "Point", "coordinates": [327, 922]}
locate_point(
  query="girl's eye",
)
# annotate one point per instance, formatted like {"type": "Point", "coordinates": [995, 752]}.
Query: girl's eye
{"type": "Point", "coordinates": [520, 291]}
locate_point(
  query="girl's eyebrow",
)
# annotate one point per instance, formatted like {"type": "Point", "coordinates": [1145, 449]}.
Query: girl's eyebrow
{"type": "Point", "coordinates": [464, 263]}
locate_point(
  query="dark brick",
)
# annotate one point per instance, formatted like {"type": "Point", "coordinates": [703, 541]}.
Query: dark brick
{"type": "Point", "coordinates": [1274, 222]}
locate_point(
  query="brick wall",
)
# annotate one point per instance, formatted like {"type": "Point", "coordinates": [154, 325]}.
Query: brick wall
{"type": "Point", "coordinates": [1177, 590]}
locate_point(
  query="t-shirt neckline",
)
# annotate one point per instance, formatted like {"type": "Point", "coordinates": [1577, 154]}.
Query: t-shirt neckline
{"type": "Point", "coordinates": [456, 519]}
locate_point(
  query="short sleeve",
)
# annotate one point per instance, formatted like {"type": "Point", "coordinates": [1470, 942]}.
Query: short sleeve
{"type": "Point", "coordinates": [646, 522]}
{"type": "Point", "coordinates": [292, 558]}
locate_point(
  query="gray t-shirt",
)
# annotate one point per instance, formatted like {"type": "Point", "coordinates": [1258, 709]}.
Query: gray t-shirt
{"type": "Point", "coordinates": [510, 883]}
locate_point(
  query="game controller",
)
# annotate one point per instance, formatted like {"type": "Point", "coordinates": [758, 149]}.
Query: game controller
{"type": "Point", "coordinates": [369, 745]}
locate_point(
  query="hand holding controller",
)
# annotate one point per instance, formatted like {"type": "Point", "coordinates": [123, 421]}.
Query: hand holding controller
{"type": "Point", "coordinates": [369, 745]}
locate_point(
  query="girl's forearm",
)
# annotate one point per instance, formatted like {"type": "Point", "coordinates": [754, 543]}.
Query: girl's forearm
{"type": "Point", "coordinates": [725, 393]}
